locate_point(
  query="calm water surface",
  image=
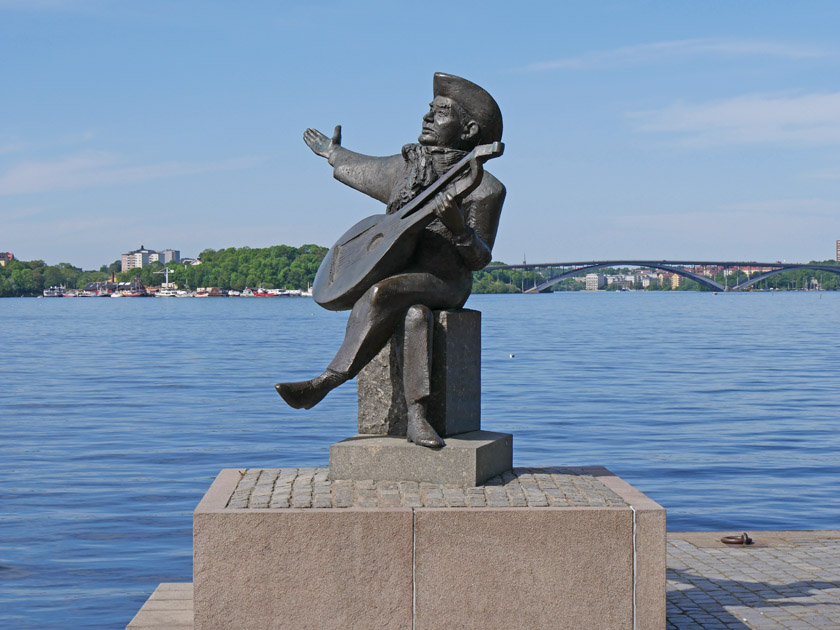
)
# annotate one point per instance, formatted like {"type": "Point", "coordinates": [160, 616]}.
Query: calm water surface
{"type": "Point", "coordinates": [116, 415]}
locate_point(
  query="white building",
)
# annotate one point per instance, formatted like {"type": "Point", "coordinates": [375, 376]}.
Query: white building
{"type": "Point", "coordinates": [142, 257]}
{"type": "Point", "coordinates": [165, 255]}
{"type": "Point", "coordinates": [595, 281]}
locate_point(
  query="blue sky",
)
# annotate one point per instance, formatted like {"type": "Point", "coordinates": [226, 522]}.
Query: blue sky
{"type": "Point", "coordinates": [640, 129]}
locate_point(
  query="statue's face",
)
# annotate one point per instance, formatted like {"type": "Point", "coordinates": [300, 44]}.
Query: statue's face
{"type": "Point", "coordinates": [442, 125]}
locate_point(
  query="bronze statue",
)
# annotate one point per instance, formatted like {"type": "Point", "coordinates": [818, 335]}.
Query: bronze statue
{"type": "Point", "coordinates": [456, 204]}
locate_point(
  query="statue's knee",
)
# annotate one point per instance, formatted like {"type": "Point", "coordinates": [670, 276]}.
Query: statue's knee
{"type": "Point", "coordinates": [418, 316]}
{"type": "Point", "coordinates": [376, 296]}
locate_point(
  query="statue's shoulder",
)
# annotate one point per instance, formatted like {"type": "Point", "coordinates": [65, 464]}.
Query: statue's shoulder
{"type": "Point", "coordinates": [490, 187]}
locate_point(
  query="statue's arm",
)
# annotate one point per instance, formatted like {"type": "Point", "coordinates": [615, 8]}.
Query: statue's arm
{"type": "Point", "coordinates": [374, 176]}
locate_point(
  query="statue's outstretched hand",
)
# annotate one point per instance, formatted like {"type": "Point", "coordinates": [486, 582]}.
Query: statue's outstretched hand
{"type": "Point", "coordinates": [448, 211]}
{"type": "Point", "coordinates": [320, 144]}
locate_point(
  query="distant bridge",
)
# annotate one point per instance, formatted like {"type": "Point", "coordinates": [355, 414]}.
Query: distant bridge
{"type": "Point", "coordinates": [679, 267]}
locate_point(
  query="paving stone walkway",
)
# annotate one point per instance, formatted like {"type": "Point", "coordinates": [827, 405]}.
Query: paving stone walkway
{"type": "Point", "coordinates": [785, 581]}
{"type": "Point", "coordinates": [261, 488]}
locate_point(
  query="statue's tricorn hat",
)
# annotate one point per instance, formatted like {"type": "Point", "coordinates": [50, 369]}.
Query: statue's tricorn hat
{"type": "Point", "coordinates": [475, 101]}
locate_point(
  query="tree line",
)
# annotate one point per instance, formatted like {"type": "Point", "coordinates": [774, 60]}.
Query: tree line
{"type": "Point", "coordinates": [286, 267]}
{"type": "Point", "coordinates": [275, 267]}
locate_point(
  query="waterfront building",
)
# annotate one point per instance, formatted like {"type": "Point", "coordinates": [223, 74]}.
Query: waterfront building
{"type": "Point", "coordinates": [624, 282]}
{"type": "Point", "coordinates": [595, 281]}
{"type": "Point", "coordinates": [141, 257]}
{"type": "Point", "coordinates": [7, 256]}
{"type": "Point", "coordinates": [666, 278]}
{"type": "Point", "coordinates": [165, 255]}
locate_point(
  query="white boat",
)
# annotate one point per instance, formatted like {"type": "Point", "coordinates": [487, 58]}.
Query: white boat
{"type": "Point", "coordinates": [54, 292]}
{"type": "Point", "coordinates": [166, 293]}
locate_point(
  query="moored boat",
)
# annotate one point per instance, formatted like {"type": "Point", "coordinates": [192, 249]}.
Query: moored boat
{"type": "Point", "coordinates": [134, 289]}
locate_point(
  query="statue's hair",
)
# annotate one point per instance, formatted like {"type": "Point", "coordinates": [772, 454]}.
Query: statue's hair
{"type": "Point", "coordinates": [464, 118]}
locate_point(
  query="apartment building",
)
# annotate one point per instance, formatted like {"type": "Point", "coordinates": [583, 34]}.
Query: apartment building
{"type": "Point", "coordinates": [141, 257]}
{"type": "Point", "coordinates": [595, 281]}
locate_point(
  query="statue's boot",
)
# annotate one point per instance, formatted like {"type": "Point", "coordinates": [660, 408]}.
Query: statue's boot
{"type": "Point", "coordinates": [307, 394]}
{"type": "Point", "coordinates": [419, 430]}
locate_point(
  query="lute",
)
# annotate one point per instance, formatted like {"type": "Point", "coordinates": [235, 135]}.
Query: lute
{"type": "Point", "coordinates": [379, 246]}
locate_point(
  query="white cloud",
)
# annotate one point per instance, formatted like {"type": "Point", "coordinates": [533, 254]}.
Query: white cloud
{"type": "Point", "coordinates": [808, 119]}
{"type": "Point", "coordinates": [669, 50]}
{"type": "Point", "coordinates": [91, 169]}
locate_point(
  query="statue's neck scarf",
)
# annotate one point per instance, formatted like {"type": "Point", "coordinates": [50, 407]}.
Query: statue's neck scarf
{"type": "Point", "coordinates": [423, 165]}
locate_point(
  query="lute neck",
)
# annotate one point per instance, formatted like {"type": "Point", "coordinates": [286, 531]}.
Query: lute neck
{"type": "Point", "coordinates": [463, 186]}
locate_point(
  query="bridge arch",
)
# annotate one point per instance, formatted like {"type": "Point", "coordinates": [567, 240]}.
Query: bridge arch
{"type": "Point", "coordinates": [703, 280]}
{"type": "Point", "coordinates": [753, 279]}
{"type": "Point", "coordinates": [672, 266]}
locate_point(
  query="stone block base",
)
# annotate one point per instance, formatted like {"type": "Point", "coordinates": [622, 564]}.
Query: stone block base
{"type": "Point", "coordinates": [455, 404]}
{"type": "Point", "coordinates": [583, 550]}
{"type": "Point", "coordinates": [467, 459]}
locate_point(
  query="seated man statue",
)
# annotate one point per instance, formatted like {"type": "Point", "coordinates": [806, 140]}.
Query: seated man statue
{"type": "Point", "coordinates": [437, 273]}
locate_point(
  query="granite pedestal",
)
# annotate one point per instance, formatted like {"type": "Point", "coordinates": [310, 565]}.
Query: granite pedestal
{"type": "Point", "coordinates": [455, 403]}
{"type": "Point", "coordinates": [468, 459]}
{"type": "Point", "coordinates": [559, 548]}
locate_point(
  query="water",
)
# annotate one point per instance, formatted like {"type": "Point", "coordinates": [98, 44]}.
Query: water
{"type": "Point", "coordinates": [116, 415]}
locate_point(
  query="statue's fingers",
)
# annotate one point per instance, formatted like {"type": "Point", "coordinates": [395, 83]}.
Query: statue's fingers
{"type": "Point", "coordinates": [336, 139]}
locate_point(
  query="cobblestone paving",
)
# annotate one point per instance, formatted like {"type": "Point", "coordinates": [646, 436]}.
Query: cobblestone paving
{"type": "Point", "coordinates": [791, 583]}
{"type": "Point", "coordinates": [522, 487]}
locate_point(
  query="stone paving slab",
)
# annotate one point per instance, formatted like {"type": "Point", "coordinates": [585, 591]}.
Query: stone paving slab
{"type": "Point", "coordinates": [170, 607]}
{"type": "Point", "coordinates": [786, 581]}
{"type": "Point", "coordinates": [278, 488]}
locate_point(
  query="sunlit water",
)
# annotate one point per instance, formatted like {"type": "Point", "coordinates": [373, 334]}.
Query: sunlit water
{"type": "Point", "coordinates": [116, 415]}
